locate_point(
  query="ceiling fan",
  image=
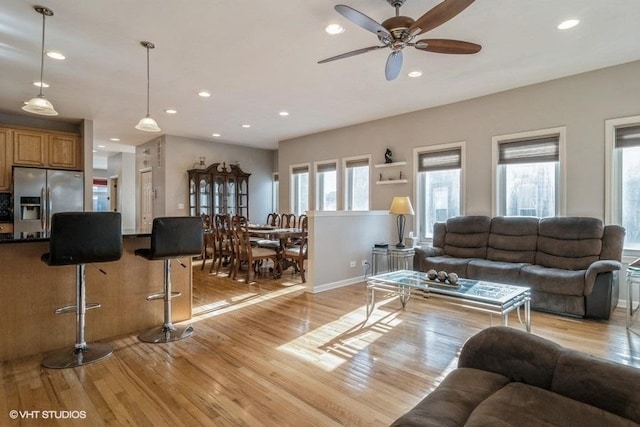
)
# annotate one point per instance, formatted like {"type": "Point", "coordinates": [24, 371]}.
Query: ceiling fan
{"type": "Point", "coordinates": [398, 32]}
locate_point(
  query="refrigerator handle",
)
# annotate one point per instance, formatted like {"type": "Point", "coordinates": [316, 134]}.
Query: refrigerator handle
{"type": "Point", "coordinates": [43, 213]}
{"type": "Point", "coordinates": [49, 208]}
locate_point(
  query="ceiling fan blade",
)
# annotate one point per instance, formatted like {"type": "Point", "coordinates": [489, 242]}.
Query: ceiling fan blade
{"type": "Point", "coordinates": [447, 46]}
{"type": "Point", "coordinates": [439, 15]}
{"type": "Point", "coordinates": [361, 20]}
{"type": "Point", "coordinates": [394, 65]}
{"type": "Point", "coordinates": [352, 53]}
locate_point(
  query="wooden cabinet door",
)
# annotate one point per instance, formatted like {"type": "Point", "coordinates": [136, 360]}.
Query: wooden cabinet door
{"type": "Point", "coordinates": [5, 159]}
{"type": "Point", "coordinates": [29, 148]}
{"type": "Point", "coordinates": [64, 151]}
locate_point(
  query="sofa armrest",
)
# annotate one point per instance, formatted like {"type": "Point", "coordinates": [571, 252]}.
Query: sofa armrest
{"type": "Point", "coordinates": [601, 266]}
{"type": "Point", "coordinates": [518, 355]}
{"type": "Point", "coordinates": [422, 252]}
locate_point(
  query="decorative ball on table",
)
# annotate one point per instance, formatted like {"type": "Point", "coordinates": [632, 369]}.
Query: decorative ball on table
{"type": "Point", "coordinates": [432, 274]}
{"type": "Point", "coordinates": [453, 278]}
{"type": "Point", "coordinates": [442, 275]}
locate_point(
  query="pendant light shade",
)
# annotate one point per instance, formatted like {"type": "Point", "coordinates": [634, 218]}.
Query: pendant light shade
{"type": "Point", "coordinates": [147, 124]}
{"type": "Point", "coordinates": [40, 104]}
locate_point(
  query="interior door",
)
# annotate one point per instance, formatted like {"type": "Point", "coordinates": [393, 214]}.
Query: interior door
{"type": "Point", "coordinates": [146, 200]}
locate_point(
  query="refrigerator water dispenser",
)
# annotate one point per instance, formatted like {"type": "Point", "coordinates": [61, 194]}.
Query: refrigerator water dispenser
{"type": "Point", "coordinates": [30, 208]}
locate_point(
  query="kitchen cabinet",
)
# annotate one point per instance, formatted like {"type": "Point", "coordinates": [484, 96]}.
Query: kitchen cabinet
{"type": "Point", "coordinates": [219, 189]}
{"type": "Point", "coordinates": [5, 158]}
{"type": "Point", "coordinates": [46, 149]}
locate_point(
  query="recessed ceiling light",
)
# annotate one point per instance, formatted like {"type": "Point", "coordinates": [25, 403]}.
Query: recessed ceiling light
{"type": "Point", "coordinates": [41, 84]}
{"type": "Point", "coordinates": [204, 94]}
{"type": "Point", "coordinates": [246, 126]}
{"type": "Point", "coordinates": [55, 55]}
{"type": "Point", "coordinates": [216, 135]}
{"type": "Point", "coordinates": [170, 111]}
{"type": "Point", "coordinates": [95, 151]}
{"type": "Point", "coordinates": [101, 146]}
{"type": "Point", "coordinates": [334, 29]}
{"type": "Point", "coordinates": [114, 139]}
{"type": "Point", "coordinates": [415, 74]}
{"type": "Point", "coordinates": [284, 113]}
{"type": "Point", "coordinates": [569, 23]}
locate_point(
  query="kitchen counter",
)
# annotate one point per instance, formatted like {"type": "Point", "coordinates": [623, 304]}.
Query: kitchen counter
{"type": "Point", "coordinates": [32, 290]}
{"type": "Point", "coordinates": [19, 237]}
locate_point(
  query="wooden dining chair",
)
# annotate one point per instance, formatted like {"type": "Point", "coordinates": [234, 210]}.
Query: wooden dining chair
{"type": "Point", "coordinates": [273, 219]}
{"type": "Point", "coordinates": [252, 256]}
{"type": "Point", "coordinates": [298, 253]}
{"type": "Point", "coordinates": [223, 246]}
{"type": "Point", "coordinates": [288, 220]}
{"type": "Point", "coordinates": [208, 247]}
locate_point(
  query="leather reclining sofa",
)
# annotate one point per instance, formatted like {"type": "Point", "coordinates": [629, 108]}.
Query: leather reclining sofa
{"type": "Point", "coordinates": [570, 263]}
{"type": "Point", "coordinates": [507, 377]}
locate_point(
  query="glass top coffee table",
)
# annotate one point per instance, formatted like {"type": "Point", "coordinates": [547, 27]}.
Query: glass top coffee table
{"type": "Point", "coordinates": [490, 297]}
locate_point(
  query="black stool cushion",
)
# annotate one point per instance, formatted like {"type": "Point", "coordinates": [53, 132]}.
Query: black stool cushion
{"type": "Point", "coordinates": [173, 237]}
{"type": "Point", "coordinates": [84, 237]}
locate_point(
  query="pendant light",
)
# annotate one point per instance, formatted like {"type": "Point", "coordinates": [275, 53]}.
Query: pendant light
{"type": "Point", "coordinates": [147, 124]}
{"type": "Point", "coordinates": [40, 104]}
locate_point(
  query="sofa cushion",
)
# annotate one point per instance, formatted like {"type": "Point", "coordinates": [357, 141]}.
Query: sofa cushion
{"type": "Point", "coordinates": [553, 280]}
{"type": "Point", "coordinates": [447, 263]}
{"type": "Point", "coordinates": [569, 243]}
{"type": "Point", "coordinates": [525, 405]}
{"type": "Point", "coordinates": [467, 236]}
{"type": "Point", "coordinates": [451, 403]}
{"type": "Point", "coordinates": [494, 271]}
{"type": "Point", "coordinates": [589, 379]}
{"type": "Point", "coordinates": [513, 239]}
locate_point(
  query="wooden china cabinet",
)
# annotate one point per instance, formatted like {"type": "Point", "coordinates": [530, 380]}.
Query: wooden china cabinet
{"type": "Point", "coordinates": [219, 189]}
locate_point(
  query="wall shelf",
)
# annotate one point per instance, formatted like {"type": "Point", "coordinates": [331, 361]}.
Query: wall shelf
{"type": "Point", "coordinates": [389, 165]}
{"type": "Point", "coordinates": [393, 181]}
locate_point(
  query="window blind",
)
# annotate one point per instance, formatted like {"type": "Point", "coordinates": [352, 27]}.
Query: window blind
{"type": "Point", "coordinates": [327, 167]}
{"type": "Point", "coordinates": [628, 136]}
{"type": "Point", "coordinates": [300, 169]}
{"type": "Point", "coordinates": [535, 150]}
{"type": "Point", "coordinates": [357, 163]}
{"type": "Point", "coordinates": [440, 160]}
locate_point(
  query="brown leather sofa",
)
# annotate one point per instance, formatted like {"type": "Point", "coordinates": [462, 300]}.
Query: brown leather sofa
{"type": "Point", "coordinates": [507, 377]}
{"type": "Point", "coordinates": [570, 263]}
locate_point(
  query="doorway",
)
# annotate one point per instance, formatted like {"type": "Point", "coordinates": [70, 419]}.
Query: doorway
{"type": "Point", "coordinates": [113, 193]}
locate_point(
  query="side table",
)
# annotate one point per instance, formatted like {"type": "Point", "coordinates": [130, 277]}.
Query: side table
{"type": "Point", "coordinates": [396, 259]}
{"type": "Point", "coordinates": [633, 283]}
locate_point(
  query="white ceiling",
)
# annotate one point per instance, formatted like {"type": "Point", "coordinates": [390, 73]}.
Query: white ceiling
{"type": "Point", "coordinates": [259, 57]}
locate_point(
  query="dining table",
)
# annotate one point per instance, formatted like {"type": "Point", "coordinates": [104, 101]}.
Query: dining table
{"type": "Point", "coordinates": [275, 234]}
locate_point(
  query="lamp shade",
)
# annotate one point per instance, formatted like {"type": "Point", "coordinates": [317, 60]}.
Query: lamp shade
{"type": "Point", "coordinates": [40, 105]}
{"type": "Point", "coordinates": [401, 206]}
{"type": "Point", "coordinates": [147, 124]}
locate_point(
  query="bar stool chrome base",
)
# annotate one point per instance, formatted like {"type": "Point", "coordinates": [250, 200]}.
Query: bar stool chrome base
{"type": "Point", "coordinates": [70, 358]}
{"type": "Point", "coordinates": [165, 334]}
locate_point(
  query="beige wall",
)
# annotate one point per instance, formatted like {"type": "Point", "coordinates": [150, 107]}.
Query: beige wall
{"type": "Point", "coordinates": [581, 103]}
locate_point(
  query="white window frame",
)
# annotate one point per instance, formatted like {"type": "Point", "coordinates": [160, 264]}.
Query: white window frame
{"type": "Point", "coordinates": [345, 191]}
{"type": "Point", "coordinates": [275, 192]}
{"type": "Point", "coordinates": [292, 186]}
{"type": "Point", "coordinates": [432, 148]}
{"type": "Point", "coordinates": [613, 184]}
{"type": "Point", "coordinates": [496, 197]}
{"type": "Point", "coordinates": [319, 186]}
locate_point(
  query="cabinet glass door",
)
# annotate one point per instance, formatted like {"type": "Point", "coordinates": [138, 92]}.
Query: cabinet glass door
{"type": "Point", "coordinates": [204, 195]}
{"type": "Point", "coordinates": [218, 195]}
{"type": "Point", "coordinates": [192, 197]}
{"type": "Point", "coordinates": [231, 197]}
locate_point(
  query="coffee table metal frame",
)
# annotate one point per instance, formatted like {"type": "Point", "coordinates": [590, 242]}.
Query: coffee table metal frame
{"type": "Point", "coordinates": [633, 280]}
{"type": "Point", "coordinates": [485, 296]}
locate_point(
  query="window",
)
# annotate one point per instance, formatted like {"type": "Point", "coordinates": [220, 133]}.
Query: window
{"type": "Point", "coordinates": [326, 186]}
{"type": "Point", "coordinates": [356, 182]}
{"type": "Point", "coordinates": [527, 173]}
{"type": "Point", "coordinates": [299, 189]}
{"type": "Point", "coordinates": [439, 185]}
{"type": "Point", "coordinates": [100, 194]}
{"type": "Point", "coordinates": [623, 189]}
{"type": "Point", "coordinates": [275, 192]}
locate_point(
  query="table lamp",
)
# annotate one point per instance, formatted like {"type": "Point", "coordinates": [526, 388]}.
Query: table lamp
{"type": "Point", "coordinates": [401, 206]}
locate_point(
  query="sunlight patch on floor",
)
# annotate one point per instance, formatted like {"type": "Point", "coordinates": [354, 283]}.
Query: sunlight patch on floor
{"type": "Point", "coordinates": [334, 343]}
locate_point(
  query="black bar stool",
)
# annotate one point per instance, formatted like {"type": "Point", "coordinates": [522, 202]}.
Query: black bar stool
{"type": "Point", "coordinates": [79, 238]}
{"type": "Point", "coordinates": [171, 237]}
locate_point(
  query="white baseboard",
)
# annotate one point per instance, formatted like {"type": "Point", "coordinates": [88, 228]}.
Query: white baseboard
{"type": "Point", "coordinates": [335, 285]}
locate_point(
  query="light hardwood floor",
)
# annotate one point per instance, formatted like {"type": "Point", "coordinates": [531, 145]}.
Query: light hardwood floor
{"type": "Point", "coordinates": [271, 354]}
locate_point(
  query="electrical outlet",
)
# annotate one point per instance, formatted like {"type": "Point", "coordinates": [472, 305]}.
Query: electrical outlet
{"type": "Point", "coordinates": [352, 264]}
{"type": "Point", "coordinates": [365, 262]}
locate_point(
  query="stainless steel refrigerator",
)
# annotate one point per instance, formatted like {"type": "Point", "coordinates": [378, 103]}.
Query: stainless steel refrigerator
{"type": "Point", "coordinates": [39, 193]}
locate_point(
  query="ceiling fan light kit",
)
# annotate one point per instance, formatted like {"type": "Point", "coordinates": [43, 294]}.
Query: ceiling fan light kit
{"type": "Point", "coordinates": [40, 104]}
{"type": "Point", "coordinates": [147, 124]}
{"type": "Point", "coordinates": [398, 32]}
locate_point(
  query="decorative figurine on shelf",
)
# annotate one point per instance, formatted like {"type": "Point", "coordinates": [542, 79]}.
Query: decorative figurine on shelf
{"type": "Point", "coordinates": [387, 156]}
{"type": "Point", "coordinates": [380, 177]}
{"type": "Point", "coordinates": [400, 175]}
